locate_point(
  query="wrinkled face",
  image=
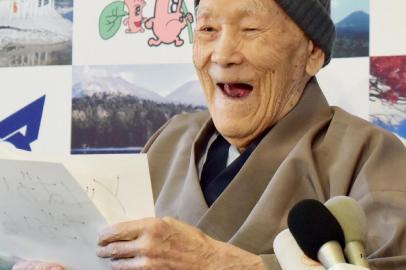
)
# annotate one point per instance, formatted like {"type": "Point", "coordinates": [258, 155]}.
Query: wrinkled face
{"type": "Point", "coordinates": [251, 60]}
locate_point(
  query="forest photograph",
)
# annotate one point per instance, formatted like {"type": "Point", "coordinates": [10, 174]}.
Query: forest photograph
{"type": "Point", "coordinates": [116, 109]}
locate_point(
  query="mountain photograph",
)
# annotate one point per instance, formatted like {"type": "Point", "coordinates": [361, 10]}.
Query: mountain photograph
{"type": "Point", "coordinates": [352, 36]}
{"type": "Point", "coordinates": [113, 115]}
{"type": "Point", "coordinates": [352, 26]}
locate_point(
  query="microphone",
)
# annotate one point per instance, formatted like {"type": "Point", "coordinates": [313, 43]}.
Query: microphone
{"type": "Point", "coordinates": [353, 221]}
{"type": "Point", "coordinates": [317, 232]}
{"type": "Point", "coordinates": [289, 254]}
{"type": "Point", "coordinates": [291, 257]}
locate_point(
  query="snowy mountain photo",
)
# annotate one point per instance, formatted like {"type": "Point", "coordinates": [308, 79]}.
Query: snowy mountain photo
{"type": "Point", "coordinates": [351, 19]}
{"type": "Point", "coordinates": [113, 86]}
{"type": "Point", "coordinates": [113, 113]}
{"type": "Point", "coordinates": [357, 22]}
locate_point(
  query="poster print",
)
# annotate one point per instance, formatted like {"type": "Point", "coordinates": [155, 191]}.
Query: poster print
{"type": "Point", "coordinates": [388, 94]}
{"type": "Point", "coordinates": [133, 32]}
{"type": "Point", "coordinates": [351, 19]}
{"type": "Point", "coordinates": [167, 23]}
{"type": "Point", "coordinates": [116, 109]}
{"type": "Point", "coordinates": [35, 108]}
{"type": "Point", "coordinates": [35, 32]}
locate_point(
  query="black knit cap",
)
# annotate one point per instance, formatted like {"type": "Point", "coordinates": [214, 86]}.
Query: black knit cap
{"type": "Point", "coordinates": [313, 17]}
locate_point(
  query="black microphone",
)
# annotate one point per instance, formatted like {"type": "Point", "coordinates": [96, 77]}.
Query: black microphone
{"type": "Point", "coordinates": [317, 232]}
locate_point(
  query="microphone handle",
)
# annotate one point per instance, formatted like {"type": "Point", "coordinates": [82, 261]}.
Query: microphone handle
{"type": "Point", "coordinates": [289, 254]}
{"type": "Point", "coordinates": [331, 254]}
{"type": "Point", "coordinates": [355, 253]}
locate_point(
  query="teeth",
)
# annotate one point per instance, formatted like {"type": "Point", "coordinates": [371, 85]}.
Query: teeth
{"type": "Point", "coordinates": [235, 90]}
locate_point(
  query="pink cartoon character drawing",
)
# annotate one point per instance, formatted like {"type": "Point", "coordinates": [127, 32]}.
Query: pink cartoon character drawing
{"type": "Point", "coordinates": [168, 22]}
{"type": "Point", "coordinates": [135, 18]}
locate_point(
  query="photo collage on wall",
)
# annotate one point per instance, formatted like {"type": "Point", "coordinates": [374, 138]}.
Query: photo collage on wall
{"type": "Point", "coordinates": [112, 72]}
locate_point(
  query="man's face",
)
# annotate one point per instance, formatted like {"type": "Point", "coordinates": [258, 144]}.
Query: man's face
{"type": "Point", "coordinates": [251, 60]}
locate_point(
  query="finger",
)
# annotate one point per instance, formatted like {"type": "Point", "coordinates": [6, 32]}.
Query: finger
{"type": "Point", "coordinates": [123, 231]}
{"type": "Point", "coordinates": [138, 263]}
{"type": "Point", "coordinates": [119, 250]}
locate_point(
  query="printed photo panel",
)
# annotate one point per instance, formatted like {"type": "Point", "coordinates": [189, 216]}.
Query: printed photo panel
{"type": "Point", "coordinates": [35, 32]}
{"type": "Point", "coordinates": [116, 109]}
{"type": "Point", "coordinates": [35, 107]}
{"type": "Point", "coordinates": [387, 94]}
{"type": "Point", "coordinates": [351, 19]}
{"type": "Point", "coordinates": [133, 32]}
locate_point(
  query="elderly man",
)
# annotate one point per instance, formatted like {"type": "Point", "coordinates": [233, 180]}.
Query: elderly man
{"type": "Point", "coordinates": [229, 178]}
{"type": "Point", "coordinates": [224, 182]}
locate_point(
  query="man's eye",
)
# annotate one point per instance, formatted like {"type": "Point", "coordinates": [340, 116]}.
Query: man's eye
{"type": "Point", "coordinates": [207, 29]}
{"type": "Point", "coordinates": [250, 29]}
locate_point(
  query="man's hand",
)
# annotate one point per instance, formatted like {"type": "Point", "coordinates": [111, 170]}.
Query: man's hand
{"type": "Point", "coordinates": [169, 244]}
{"type": "Point", "coordinates": [36, 265]}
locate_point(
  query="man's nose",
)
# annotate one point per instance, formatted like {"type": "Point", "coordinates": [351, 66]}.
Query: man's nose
{"type": "Point", "coordinates": [227, 50]}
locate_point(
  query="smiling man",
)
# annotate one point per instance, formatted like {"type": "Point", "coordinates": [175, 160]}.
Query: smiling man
{"type": "Point", "coordinates": [224, 181]}
{"type": "Point", "coordinates": [254, 63]}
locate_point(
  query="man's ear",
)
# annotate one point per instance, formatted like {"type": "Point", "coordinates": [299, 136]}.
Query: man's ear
{"type": "Point", "coordinates": [316, 59]}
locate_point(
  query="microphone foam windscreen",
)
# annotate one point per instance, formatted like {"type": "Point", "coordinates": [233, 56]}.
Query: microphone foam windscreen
{"type": "Point", "coordinates": [351, 217]}
{"type": "Point", "coordinates": [312, 225]}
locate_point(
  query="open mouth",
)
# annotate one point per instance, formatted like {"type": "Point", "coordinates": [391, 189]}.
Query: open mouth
{"type": "Point", "coordinates": [236, 90]}
{"type": "Point", "coordinates": [138, 23]}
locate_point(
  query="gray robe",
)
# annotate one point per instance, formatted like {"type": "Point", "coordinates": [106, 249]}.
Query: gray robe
{"type": "Point", "coordinates": [316, 151]}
